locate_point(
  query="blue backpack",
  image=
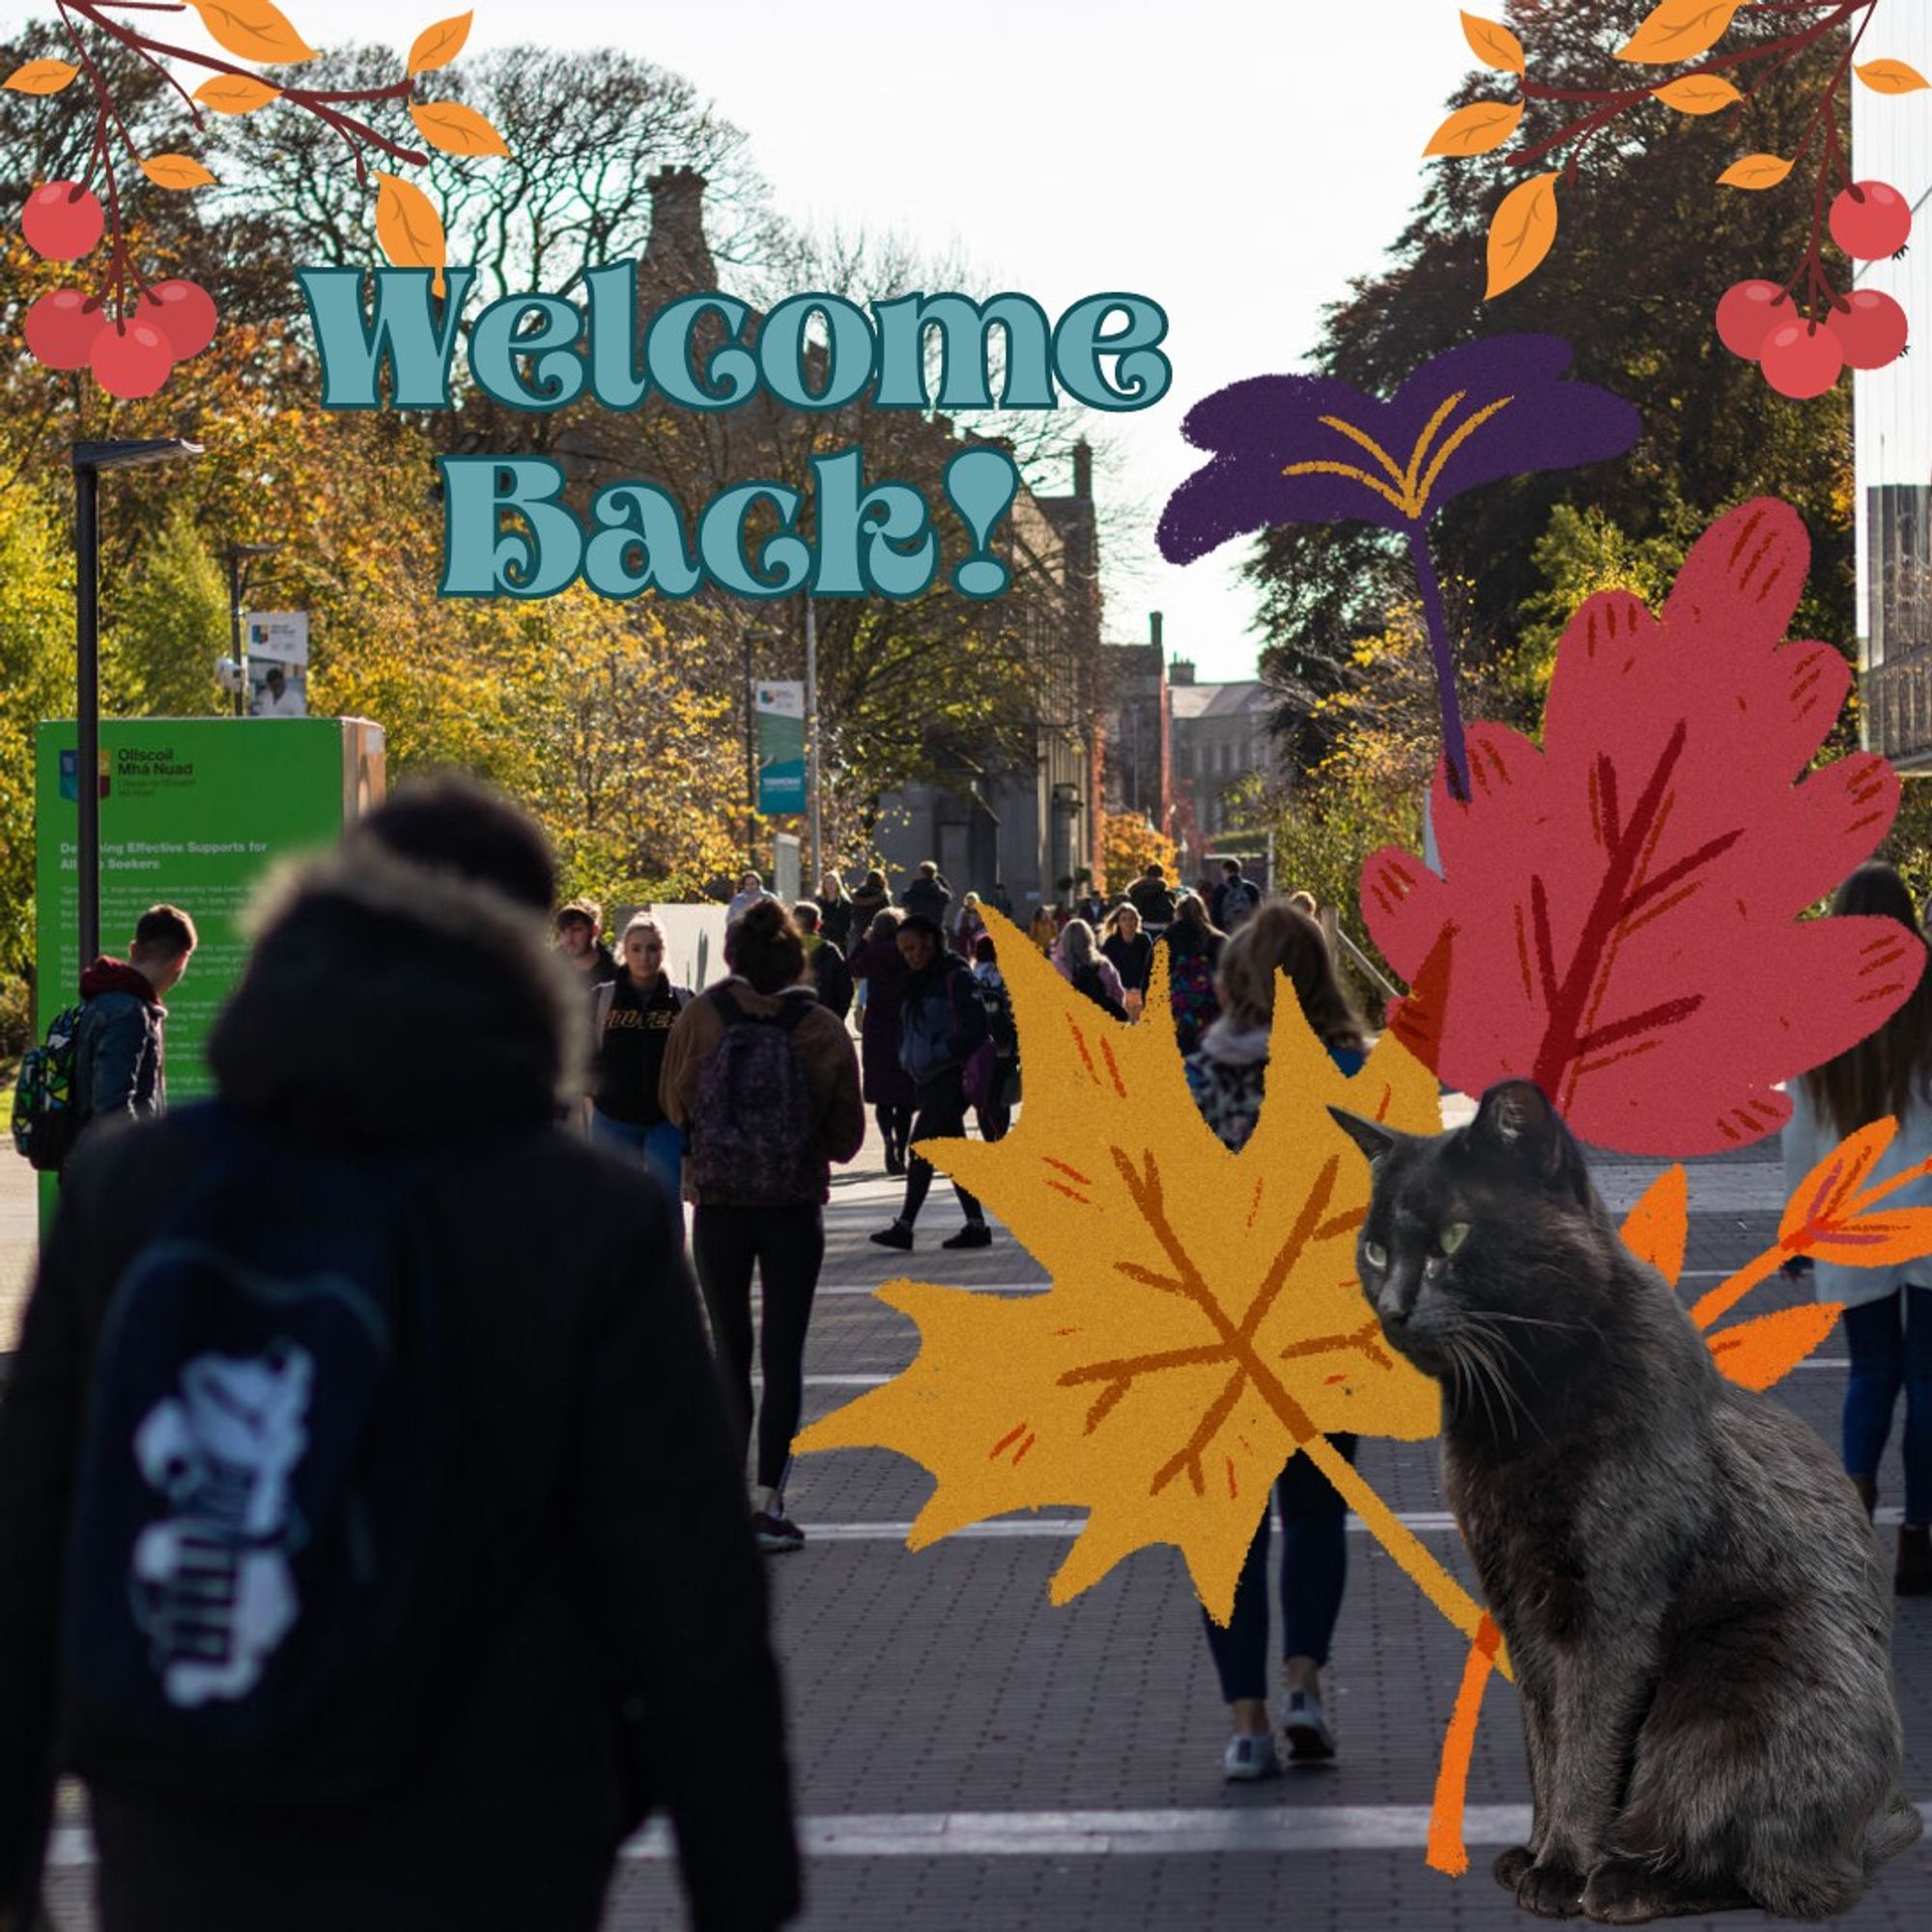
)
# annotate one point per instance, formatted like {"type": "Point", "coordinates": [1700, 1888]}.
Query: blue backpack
{"type": "Point", "coordinates": [265, 1587]}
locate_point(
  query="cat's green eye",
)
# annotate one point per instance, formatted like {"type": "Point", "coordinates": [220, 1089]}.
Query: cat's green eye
{"type": "Point", "coordinates": [1375, 1254]}
{"type": "Point", "coordinates": [1453, 1237]}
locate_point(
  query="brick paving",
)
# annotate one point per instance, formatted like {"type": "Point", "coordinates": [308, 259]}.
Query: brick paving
{"type": "Point", "coordinates": [969, 1757]}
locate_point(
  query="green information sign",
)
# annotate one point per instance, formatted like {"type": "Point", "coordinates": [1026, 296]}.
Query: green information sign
{"type": "Point", "coordinates": [779, 707]}
{"type": "Point", "coordinates": [193, 812]}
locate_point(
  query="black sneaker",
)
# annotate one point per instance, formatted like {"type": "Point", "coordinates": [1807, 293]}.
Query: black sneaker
{"type": "Point", "coordinates": [897, 1236]}
{"type": "Point", "coordinates": [974, 1235]}
{"type": "Point", "coordinates": [775, 1534]}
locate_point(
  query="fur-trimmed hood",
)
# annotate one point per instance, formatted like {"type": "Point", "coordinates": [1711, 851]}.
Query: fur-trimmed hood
{"type": "Point", "coordinates": [387, 1002]}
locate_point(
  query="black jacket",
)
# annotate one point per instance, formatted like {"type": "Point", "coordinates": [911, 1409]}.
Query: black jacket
{"type": "Point", "coordinates": [929, 897]}
{"type": "Point", "coordinates": [589, 1405]}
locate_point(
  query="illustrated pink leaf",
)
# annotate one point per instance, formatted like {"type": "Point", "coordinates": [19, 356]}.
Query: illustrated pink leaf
{"type": "Point", "coordinates": [1624, 899]}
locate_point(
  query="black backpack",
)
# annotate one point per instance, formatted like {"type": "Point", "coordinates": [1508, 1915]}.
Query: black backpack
{"type": "Point", "coordinates": [264, 1590]}
{"type": "Point", "coordinates": [1086, 980]}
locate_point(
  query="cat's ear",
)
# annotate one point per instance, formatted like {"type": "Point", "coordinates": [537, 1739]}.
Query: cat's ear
{"type": "Point", "coordinates": [1516, 1123]}
{"type": "Point", "coordinates": [1373, 1138]}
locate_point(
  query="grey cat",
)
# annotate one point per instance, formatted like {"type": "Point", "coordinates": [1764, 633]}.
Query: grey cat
{"type": "Point", "coordinates": [1694, 1604]}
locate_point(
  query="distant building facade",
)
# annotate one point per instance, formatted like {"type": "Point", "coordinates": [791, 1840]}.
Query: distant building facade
{"type": "Point", "coordinates": [1220, 738]}
{"type": "Point", "coordinates": [1138, 729]}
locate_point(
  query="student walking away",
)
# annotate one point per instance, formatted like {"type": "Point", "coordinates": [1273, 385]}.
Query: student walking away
{"type": "Point", "coordinates": [940, 1024]}
{"type": "Point", "coordinates": [1887, 1317]}
{"type": "Point", "coordinates": [1236, 898]}
{"type": "Point", "coordinates": [1001, 1084]}
{"type": "Point", "coordinates": [837, 912]}
{"type": "Point", "coordinates": [928, 895]}
{"type": "Point", "coordinates": [635, 1014]}
{"type": "Point", "coordinates": [750, 892]}
{"type": "Point", "coordinates": [120, 1044]}
{"type": "Point", "coordinates": [1130, 952]}
{"type": "Point", "coordinates": [1226, 1075]}
{"type": "Point", "coordinates": [1152, 897]}
{"type": "Point", "coordinates": [1193, 958]}
{"type": "Point", "coordinates": [765, 1081]}
{"type": "Point", "coordinates": [830, 976]}
{"type": "Point", "coordinates": [868, 901]}
{"type": "Point", "coordinates": [1088, 970]}
{"type": "Point", "coordinates": [877, 966]}
{"type": "Point", "coordinates": [369, 1539]}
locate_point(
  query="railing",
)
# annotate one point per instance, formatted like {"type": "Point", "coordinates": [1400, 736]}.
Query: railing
{"type": "Point", "coordinates": [1896, 697]}
{"type": "Point", "coordinates": [1338, 939]}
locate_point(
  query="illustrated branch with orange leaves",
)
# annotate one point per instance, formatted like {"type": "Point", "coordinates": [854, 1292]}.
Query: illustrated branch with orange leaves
{"type": "Point", "coordinates": [132, 332]}
{"type": "Point", "coordinates": [1801, 332]}
{"type": "Point", "coordinates": [1831, 1214]}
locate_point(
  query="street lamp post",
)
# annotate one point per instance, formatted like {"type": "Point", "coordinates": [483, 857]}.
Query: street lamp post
{"type": "Point", "coordinates": [238, 645]}
{"type": "Point", "coordinates": [90, 458]}
{"type": "Point", "coordinates": [811, 740]}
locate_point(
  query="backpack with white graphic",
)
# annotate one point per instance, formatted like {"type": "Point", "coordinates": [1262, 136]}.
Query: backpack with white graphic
{"type": "Point", "coordinates": [48, 1111]}
{"type": "Point", "coordinates": [753, 1127]}
{"type": "Point", "coordinates": [264, 1571]}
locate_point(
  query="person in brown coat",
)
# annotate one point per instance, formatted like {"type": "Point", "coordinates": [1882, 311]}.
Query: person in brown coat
{"type": "Point", "coordinates": [765, 1081]}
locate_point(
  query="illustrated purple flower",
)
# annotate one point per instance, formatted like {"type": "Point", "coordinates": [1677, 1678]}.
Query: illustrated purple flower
{"type": "Point", "coordinates": [1308, 449]}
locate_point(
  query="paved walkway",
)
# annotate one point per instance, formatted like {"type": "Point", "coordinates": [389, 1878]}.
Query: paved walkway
{"type": "Point", "coordinates": [968, 1756]}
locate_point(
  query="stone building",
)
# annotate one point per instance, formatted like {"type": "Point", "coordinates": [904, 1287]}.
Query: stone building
{"type": "Point", "coordinates": [1220, 738]}
{"type": "Point", "coordinates": [1139, 729]}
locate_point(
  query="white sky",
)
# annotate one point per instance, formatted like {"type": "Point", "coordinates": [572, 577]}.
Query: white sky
{"type": "Point", "coordinates": [1236, 159]}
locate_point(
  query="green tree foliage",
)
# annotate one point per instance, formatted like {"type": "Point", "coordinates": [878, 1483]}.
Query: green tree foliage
{"type": "Point", "coordinates": [167, 626]}
{"type": "Point", "coordinates": [1647, 245]}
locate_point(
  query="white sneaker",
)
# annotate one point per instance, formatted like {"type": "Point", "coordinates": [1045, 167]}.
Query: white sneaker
{"type": "Point", "coordinates": [1250, 1756]}
{"type": "Point", "coordinates": [1304, 1729]}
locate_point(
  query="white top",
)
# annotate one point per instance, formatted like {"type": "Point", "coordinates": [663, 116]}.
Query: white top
{"type": "Point", "coordinates": [1806, 1141]}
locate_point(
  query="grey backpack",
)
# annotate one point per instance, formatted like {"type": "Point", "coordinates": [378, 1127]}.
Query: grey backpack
{"type": "Point", "coordinates": [754, 1128]}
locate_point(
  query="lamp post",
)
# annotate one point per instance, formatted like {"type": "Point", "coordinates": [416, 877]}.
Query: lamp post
{"type": "Point", "coordinates": [238, 647]}
{"type": "Point", "coordinates": [90, 458]}
{"type": "Point", "coordinates": [812, 739]}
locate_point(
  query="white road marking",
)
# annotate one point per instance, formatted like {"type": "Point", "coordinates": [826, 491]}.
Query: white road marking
{"type": "Point", "coordinates": [1287, 1829]}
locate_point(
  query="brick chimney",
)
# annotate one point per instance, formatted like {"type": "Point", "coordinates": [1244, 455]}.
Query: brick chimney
{"type": "Point", "coordinates": [1082, 470]}
{"type": "Point", "coordinates": [677, 258]}
{"type": "Point", "coordinates": [1153, 631]}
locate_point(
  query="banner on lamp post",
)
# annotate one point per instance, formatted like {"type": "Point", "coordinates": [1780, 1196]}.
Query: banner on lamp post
{"type": "Point", "coordinates": [779, 706]}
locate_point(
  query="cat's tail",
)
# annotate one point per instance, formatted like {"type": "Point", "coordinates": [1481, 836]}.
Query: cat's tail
{"type": "Point", "coordinates": [1892, 1829]}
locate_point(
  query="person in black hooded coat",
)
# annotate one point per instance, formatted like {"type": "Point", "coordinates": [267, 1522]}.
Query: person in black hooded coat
{"type": "Point", "coordinates": [628, 1659]}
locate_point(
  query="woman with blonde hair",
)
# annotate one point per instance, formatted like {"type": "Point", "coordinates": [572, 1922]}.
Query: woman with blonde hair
{"type": "Point", "coordinates": [1088, 970]}
{"type": "Point", "coordinates": [1887, 1317]}
{"type": "Point", "coordinates": [1227, 1076]}
{"type": "Point", "coordinates": [1130, 952]}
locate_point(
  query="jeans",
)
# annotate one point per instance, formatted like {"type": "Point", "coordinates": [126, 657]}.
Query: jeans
{"type": "Point", "coordinates": [661, 1147]}
{"type": "Point", "coordinates": [1314, 1567]}
{"type": "Point", "coordinates": [1891, 1344]}
{"type": "Point", "coordinates": [786, 1246]}
{"type": "Point", "coordinates": [939, 1113]}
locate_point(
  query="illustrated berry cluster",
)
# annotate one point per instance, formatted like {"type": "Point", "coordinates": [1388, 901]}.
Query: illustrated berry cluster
{"type": "Point", "coordinates": [1801, 354]}
{"type": "Point", "coordinates": [132, 353]}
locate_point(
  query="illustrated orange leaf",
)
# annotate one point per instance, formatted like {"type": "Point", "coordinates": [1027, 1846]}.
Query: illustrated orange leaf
{"type": "Point", "coordinates": [456, 129]}
{"type": "Point", "coordinates": [438, 46]}
{"type": "Point", "coordinates": [1493, 44]}
{"type": "Point", "coordinates": [176, 171]}
{"type": "Point", "coordinates": [40, 77]}
{"type": "Point", "coordinates": [1825, 1196]}
{"type": "Point", "coordinates": [1755, 171]}
{"type": "Point", "coordinates": [1521, 233]}
{"type": "Point", "coordinates": [1477, 128]}
{"type": "Point", "coordinates": [1447, 1853]}
{"type": "Point", "coordinates": [1698, 93]}
{"type": "Point", "coordinates": [1205, 1319]}
{"type": "Point", "coordinates": [1657, 1227]}
{"type": "Point", "coordinates": [1755, 1355]}
{"type": "Point", "coordinates": [1891, 76]}
{"type": "Point", "coordinates": [255, 30]}
{"type": "Point", "coordinates": [236, 93]}
{"type": "Point", "coordinates": [1678, 30]}
{"type": "Point", "coordinates": [408, 227]}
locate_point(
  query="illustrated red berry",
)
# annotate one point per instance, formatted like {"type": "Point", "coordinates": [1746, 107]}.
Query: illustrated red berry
{"type": "Point", "coordinates": [1749, 312]}
{"type": "Point", "coordinates": [1802, 359]}
{"type": "Point", "coordinates": [1870, 220]}
{"type": "Point", "coordinates": [1872, 330]}
{"type": "Point", "coordinates": [131, 358]}
{"type": "Point", "coordinates": [62, 221]}
{"type": "Point", "coordinates": [61, 328]}
{"type": "Point", "coordinates": [184, 312]}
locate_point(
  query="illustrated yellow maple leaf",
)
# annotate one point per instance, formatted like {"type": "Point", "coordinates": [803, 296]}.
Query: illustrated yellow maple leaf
{"type": "Point", "coordinates": [1205, 1319]}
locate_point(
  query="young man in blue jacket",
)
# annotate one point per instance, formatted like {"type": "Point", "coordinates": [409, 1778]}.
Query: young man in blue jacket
{"type": "Point", "coordinates": [120, 1066]}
